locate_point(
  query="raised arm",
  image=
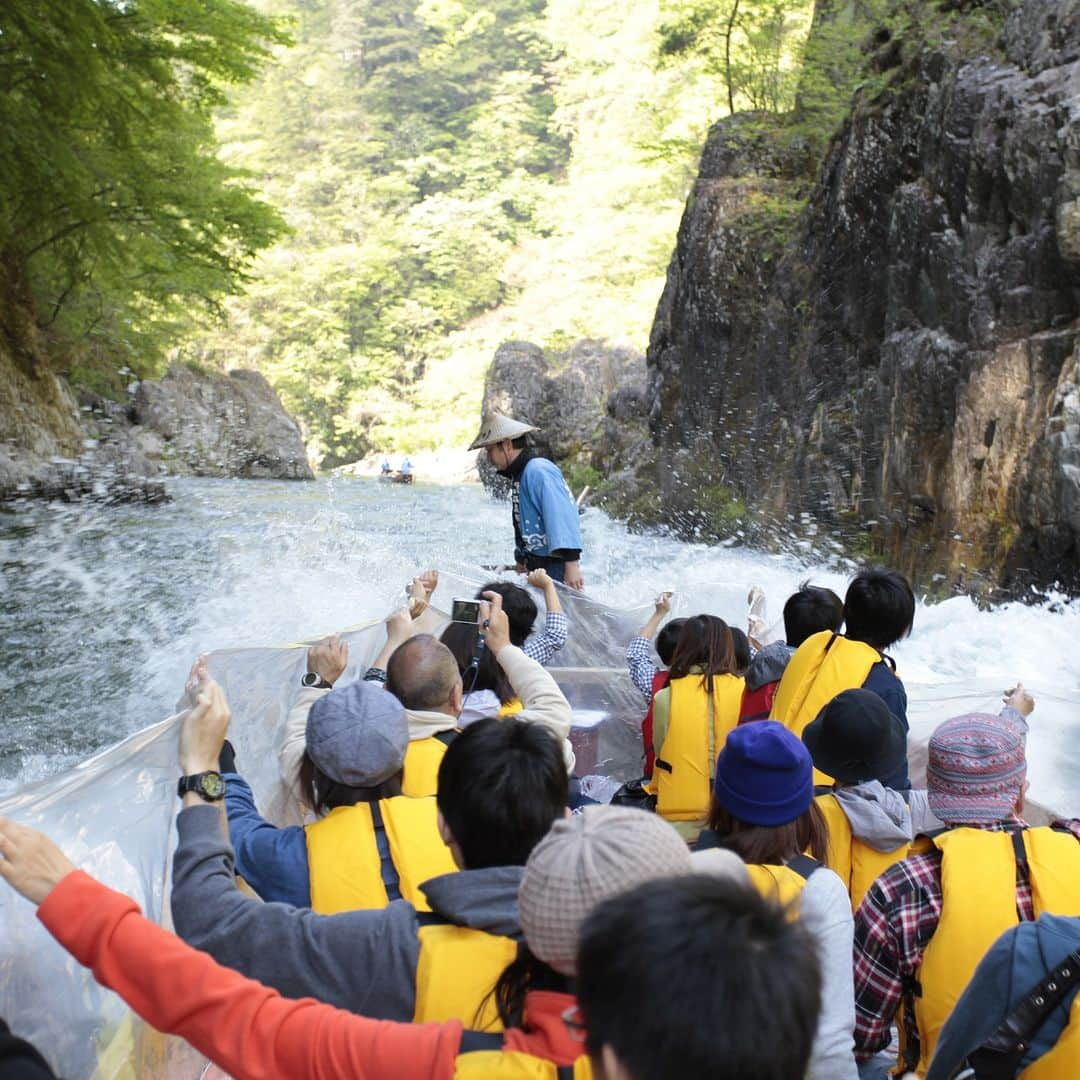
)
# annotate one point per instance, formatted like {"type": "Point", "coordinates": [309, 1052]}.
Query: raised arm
{"type": "Point", "coordinates": [241, 1025]}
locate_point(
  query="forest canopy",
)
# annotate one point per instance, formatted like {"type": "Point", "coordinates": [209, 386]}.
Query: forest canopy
{"type": "Point", "coordinates": [372, 195]}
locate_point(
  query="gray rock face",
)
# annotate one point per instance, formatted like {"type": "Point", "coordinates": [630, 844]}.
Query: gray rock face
{"type": "Point", "coordinates": [211, 424]}
{"type": "Point", "coordinates": [904, 361]}
{"type": "Point", "coordinates": [581, 401]}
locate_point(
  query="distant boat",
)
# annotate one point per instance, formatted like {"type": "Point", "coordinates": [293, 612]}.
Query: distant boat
{"type": "Point", "coordinates": [396, 478]}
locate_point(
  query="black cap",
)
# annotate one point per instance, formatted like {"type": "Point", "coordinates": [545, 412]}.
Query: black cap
{"type": "Point", "coordinates": [856, 738]}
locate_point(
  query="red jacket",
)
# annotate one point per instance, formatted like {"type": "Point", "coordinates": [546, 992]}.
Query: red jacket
{"type": "Point", "coordinates": [659, 681]}
{"type": "Point", "coordinates": [757, 704]}
{"type": "Point", "coordinates": [248, 1029]}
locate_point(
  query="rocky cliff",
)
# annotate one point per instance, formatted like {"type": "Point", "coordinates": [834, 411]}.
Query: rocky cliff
{"type": "Point", "coordinates": [58, 442]}
{"type": "Point", "coordinates": [892, 350]}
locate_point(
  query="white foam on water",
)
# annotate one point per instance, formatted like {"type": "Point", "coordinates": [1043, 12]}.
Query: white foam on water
{"type": "Point", "coordinates": [104, 609]}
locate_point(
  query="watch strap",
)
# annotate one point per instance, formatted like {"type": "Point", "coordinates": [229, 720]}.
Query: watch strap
{"type": "Point", "coordinates": [207, 785]}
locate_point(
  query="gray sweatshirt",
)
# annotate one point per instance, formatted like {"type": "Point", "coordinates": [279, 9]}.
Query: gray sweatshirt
{"type": "Point", "coordinates": [363, 961]}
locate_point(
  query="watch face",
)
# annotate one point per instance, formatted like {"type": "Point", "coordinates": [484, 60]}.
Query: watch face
{"type": "Point", "coordinates": [212, 785]}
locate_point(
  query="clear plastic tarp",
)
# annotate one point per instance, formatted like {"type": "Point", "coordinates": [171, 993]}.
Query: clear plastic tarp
{"type": "Point", "coordinates": [114, 816]}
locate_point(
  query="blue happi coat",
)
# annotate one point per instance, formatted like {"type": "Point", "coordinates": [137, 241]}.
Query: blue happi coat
{"type": "Point", "coordinates": [545, 515]}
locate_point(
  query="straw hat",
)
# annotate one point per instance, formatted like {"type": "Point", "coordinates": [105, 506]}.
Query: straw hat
{"type": "Point", "coordinates": [495, 427]}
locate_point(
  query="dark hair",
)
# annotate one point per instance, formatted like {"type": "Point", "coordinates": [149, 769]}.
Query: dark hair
{"type": "Point", "coordinates": [519, 606]}
{"type": "Point", "coordinates": [520, 442]}
{"type": "Point", "coordinates": [705, 642]}
{"type": "Point", "coordinates": [322, 794]}
{"type": "Point", "coordinates": [501, 785]}
{"type": "Point", "coordinates": [745, 1001]}
{"type": "Point", "coordinates": [809, 611]}
{"type": "Point", "coordinates": [523, 974]}
{"type": "Point", "coordinates": [667, 639]}
{"type": "Point", "coordinates": [771, 844]}
{"type": "Point", "coordinates": [463, 639]}
{"type": "Point", "coordinates": [879, 607]}
{"type": "Point", "coordinates": [421, 673]}
{"type": "Point", "coordinates": [741, 647]}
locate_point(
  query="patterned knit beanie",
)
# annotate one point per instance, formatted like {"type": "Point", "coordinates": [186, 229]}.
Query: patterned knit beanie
{"type": "Point", "coordinates": [586, 859]}
{"type": "Point", "coordinates": [975, 769]}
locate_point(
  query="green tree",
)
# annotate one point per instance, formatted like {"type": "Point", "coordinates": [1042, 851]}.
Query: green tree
{"type": "Point", "coordinates": [117, 217]}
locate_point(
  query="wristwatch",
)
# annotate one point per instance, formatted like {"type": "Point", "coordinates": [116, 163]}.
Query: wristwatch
{"type": "Point", "coordinates": [313, 678]}
{"type": "Point", "coordinates": [207, 785]}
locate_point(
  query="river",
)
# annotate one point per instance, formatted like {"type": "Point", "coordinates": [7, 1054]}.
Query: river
{"type": "Point", "coordinates": [103, 609]}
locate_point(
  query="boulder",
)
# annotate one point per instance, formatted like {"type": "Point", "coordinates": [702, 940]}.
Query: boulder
{"type": "Point", "coordinates": [215, 424]}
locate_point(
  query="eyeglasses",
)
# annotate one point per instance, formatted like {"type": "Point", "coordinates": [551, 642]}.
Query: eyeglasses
{"type": "Point", "coordinates": [575, 1025]}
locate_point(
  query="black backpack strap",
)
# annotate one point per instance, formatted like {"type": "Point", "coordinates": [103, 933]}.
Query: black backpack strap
{"type": "Point", "coordinates": [803, 865]}
{"type": "Point", "coordinates": [999, 1057]}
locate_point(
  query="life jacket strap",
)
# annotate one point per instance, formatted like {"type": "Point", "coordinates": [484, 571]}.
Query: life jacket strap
{"type": "Point", "coordinates": [447, 737]}
{"type": "Point", "coordinates": [803, 865]}
{"type": "Point", "coordinates": [660, 763]}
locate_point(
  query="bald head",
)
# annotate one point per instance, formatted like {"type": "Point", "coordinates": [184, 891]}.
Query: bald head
{"type": "Point", "coordinates": [423, 674]}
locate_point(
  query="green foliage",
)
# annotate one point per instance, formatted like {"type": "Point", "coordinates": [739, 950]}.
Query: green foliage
{"type": "Point", "coordinates": [751, 45]}
{"type": "Point", "coordinates": [116, 212]}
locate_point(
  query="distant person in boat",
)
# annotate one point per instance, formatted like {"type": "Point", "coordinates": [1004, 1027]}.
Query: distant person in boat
{"type": "Point", "coordinates": [487, 689]}
{"type": "Point", "coordinates": [370, 844]}
{"type": "Point", "coordinates": [879, 610]}
{"type": "Point", "coordinates": [1022, 1006]}
{"type": "Point", "coordinates": [927, 921]}
{"type": "Point", "coordinates": [405, 468]}
{"type": "Point", "coordinates": [692, 717]}
{"type": "Point", "coordinates": [501, 785]}
{"type": "Point", "coordinates": [645, 675]}
{"type": "Point", "coordinates": [385, 467]}
{"type": "Point", "coordinates": [763, 809]}
{"type": "Point", "coordinates": [807, 612]}
{"type": "Point", "coordinates": [547, 531]}
{"type": "Point", "coordinates": [745, 1002]}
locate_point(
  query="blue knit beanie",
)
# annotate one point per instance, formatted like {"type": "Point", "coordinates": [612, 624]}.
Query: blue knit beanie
{"type": "Point", "coordinates": [764, 775]}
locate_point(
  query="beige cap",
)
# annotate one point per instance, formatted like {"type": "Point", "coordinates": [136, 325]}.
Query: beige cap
{"type": "Point", "coordinates": [584, 860]}
{"type": "Point", "coordinates": [495, 427]}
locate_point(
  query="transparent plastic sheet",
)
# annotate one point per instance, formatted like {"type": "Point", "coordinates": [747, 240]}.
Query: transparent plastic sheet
{"type": "Point", "coordinates": [114, 815]}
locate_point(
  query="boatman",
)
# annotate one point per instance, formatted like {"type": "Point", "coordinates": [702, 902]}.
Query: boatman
{"type": "Point", "coordinates": [546, 529]}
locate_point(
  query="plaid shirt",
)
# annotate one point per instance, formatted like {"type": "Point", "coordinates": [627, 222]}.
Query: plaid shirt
{"type": "Point", "coordinates": [542, 647]}
{"type": "Point", "coordinates": [639, 659]}
{"type": "Point", "coordinates": [893, 926]}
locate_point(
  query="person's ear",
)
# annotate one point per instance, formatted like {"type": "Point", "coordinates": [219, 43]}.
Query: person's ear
{"type": "Point", "coordinates": [447, 838]}
{"type": "Point", "coordinates": [1019, 808]}
{"type": "Point", "coordinates": [608, 1066]}
{"type": "Point", "coordinates": [457, 697]}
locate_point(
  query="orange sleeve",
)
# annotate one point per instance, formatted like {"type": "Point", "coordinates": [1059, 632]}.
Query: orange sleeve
{"type": "Point", "coordinates": [241, 1025]}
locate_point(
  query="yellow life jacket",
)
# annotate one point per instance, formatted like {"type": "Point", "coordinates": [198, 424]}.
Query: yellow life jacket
{"type": "Point", "coordinates": [856, 863]}
{"type": "Point", "coordinates": [823, 666]}
{"type": "Point", "coordinates": [511, 708]}
{"type": "Point", "coordinates": [785, 883]}
{"type": "Point", "coordinates": [422, 760]}
{"type": "Point", "coordinates": [343, 857]}
{"type": "Point", "coordinates": [456, 971]}
{"type": "Point", "coordinates": [516, 1065]}
{"type": "Point", "coordinates": [978, 904]}
{"type": "Point", "coordinates": [687, 760]}
{"type": "Point", "coordinates": [1062, 1060]}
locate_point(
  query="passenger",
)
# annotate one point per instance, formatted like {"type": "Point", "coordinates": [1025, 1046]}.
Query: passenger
{"type": "Point", "coordinates": [809, 611]}
{"type": "Point", "coordinates": [487, 689]}
{"type": "Point", "coordinates": [1021, 1007]}
{"type": "Point", "coordinates": [858, 742]}
{"type": "Point", "coordinates": [925, 924]}
{"type": "Point", "coordinates": [370, 845]}
{"type": "Point", "coordinates": [501, 785]}
{"type": "Point", "coordinates": [763, 809]}
{"type": "Point", "coordinates": [648, 678]}
{"type": "Point", "coordinates": [879, 610]}
{"type": "Point", "coordinates": [745, 1002]}
{"type": "Point", "coordinates": [691, 719]}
